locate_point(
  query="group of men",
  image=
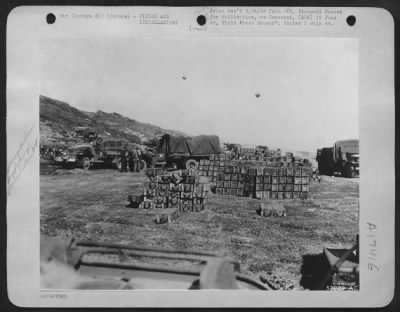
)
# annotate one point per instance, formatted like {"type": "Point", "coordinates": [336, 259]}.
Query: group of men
{"type": "Point", "coordinates": [131, 160]}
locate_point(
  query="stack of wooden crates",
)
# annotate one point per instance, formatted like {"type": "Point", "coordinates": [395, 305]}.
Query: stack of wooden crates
{"type": "Point", "coordinates": [257, 179]}
{"type": "Point", "coordinates": [161, 192]}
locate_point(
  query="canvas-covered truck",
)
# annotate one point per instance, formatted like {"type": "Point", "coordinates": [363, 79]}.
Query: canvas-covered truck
{"type": "Point", "coordinates": [185, 152]}
{"type": "Point", "coordinates": [342, 158]}
{"type": "Point", "coordinates": [107, 152]}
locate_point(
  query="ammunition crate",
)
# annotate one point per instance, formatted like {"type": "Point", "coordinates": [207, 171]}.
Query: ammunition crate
{"type": "Point", "coordinates": [163, 186]}
{"type": "Point", "coordinates": [267, 187]}
{"type": "Point", "coordinates": [241, 178]}
{"type": "Point", "coordinates": [212, 157]}
{"type": "Point", "coordinates": [304, 188]}
{"type": "Point", "coordinates": [274, 195]}
{"type": "Point", "coordinates": [282, 180]}
{"type": "Point", "coordinates": [289, 187]}
{"type": "Point", "coordinates": [259, 187]}
{"type": "Point", "coordinates": [282, 172]}
{"type": "Point", "coordinates": [296, 195]}
{"type": "Point", "coordinates": [281, 195]}
{"type": "Point", "coordinates": [198, 207]}
{"type": "Point", "coordinates": [239, 192]}
{"type": "Point", "coordinates": [288, 195]}
{"type": "Point", "coordinates": [289, 180]}
{"type": "Point", "coordinates": [274, 187]}
{"type": "Point", "coordinates": [266, 194]}
{"type": "Point", "coordinates": [259, 179]}
{"type": "Point", "coordinates": [232, 192]}
{"type": "Point", "coordinates": [281, 187]}
{"type": "Point", "coordinates": [151, 185]}
{"type": "Point", "coordinates": [275, 180]}
{"type": "Point", "coordinates": [305, 172]}
{"type": "Point", "coordinates": [258, 195]}
{"type": "Point", "coordinates": [297, 172]}
{"type": "Point", "coordinates": [228, 169]}
{"type": "Point", "coordinates": [243, 170]}
{"type": "Point", "coordinates": [234, 184]}
{"type": "Point", "coordinates": [219, 191]}
{"type": "Point", "coordinates": [226, 191]}
{"type": "Point", "coordinates": [267, 171]}
{"type": "Point", "coordinates": [222, 163]}
{"type": "Point", "coordinates": [159, 206]}
{"type": "Point", "coordinates": [267, 179]}
{"type": "Point", "coordinates": [174, 188]}
{"type": "Point", "coordinates": [234, 177]}
{"type": "Point", "coordinates": [189, 179]}
{"type": "Point", "coordinates": [240, 184]}
{"type": "Point", "coordinates": [252, 171]}
{"type": "Point", "coordinates": [227, 184]}
{"type": "Point", "coordinates": [220, 184]}
{"type": "Point", "coordinates": [147, 204]}
{"type": "Point", "coordinates": [221, 156]}
{"type": "Point", "coordinates": [187, 188]}
{"type": "Point", "coordinates": [206, 162]}
{"type": "Point", "coordinates": [201, 162]}
{"type": "Point", "coordinates": [303, 195]}
{"type": "Point", "coordinates": [274, 172]}
{"type": "Point", "coordinates": [199, 200]}
{"type": "Point", "coordinates": [227, 177]}
{"type": "Point", "coordinates": [305, 180]}
{"type": "Point", "coordinates": [297, 180]}
{"type": "Point", "coordinates": [289, 172]}
{"type": "Point", "coordinates": [188, 195]}
{"type": "Point", "coordinates": [150, 192]}
{"type": "Point", "coordinates": [153, 179]}
{"type": "Point", "coordinates": [296, 188]}
{"type": "Point", "coordinates": [185, 207]}
{"type": "Point", "coordinates": [216, 163]}
{"type": "Point", "coordinates": [161, 193]}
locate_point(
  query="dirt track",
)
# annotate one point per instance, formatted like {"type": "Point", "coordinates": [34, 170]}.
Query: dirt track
{"type": "Point", "coordinates": [92, 205]}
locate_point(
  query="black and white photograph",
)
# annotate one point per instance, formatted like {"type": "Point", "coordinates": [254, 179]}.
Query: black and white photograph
{"type": "Point", "coordinates": [207, 160]}
{"type": "Point", "coordinates": [201, 161]}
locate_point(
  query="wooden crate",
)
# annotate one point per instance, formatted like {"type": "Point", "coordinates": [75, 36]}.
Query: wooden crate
{"type": "Point", "coordinates": [289, 187]}
{"type": "Point", "coordinates": [274, 187]}
{"type": "Point", "coordinates": [240, 184]}
{"type": "Point", "coordinates": [187, 188]}
{"type": "Point", "coordinates": [297, 180]}
{"type": "Point", "coordinates": [304, 188]}
{"type": "Point", "coordinates": [259, 187]}
{"type": "Point", "coordinates": [281, 195]}
{"type": "Point", "coordinates": [227, 177]}
{"type": "Point", "coordinates": [234, 177]}
{"type": "Point", "coordinates": [289, 172]}
{"type": "Point", "coordinates": [297, 172]}
{"type": "Point", "coordinates": [239, 192]}
{"type": "Point", "coordinates": [149, 193]}
{"type": "Point", "coordinates": [288, 195]}
{"type": "Point", "coordinates": [290, 180]}
{"type": "Point", "coordinates": [303, 195]}
{"type": "Point", "coordinates": [296, 188]}
{"type": "Point", "coordinates": [282, 180]}
{"type": "Point", "coordinates": [227, 191]}
{"type": "Point", "coordinates": [232, 191]}
{"type": "Point", "coordinates": [282, 172]}
{"type": "Point", "coordinates": [198, 207]}
{"type": "Point", "coordinates": [219, 190]}
{"type": "Point", "coordinates": [234, 184]}
{"type": "Point", "coordinates": [267, 187]}
{"type": "Point", "coordinates": [296, 195]}
{"type": "Point", "coordinates": [305, 180]}
{"type": "Point", "coordinates": [274, 195]}
{"type": "Point", "coordinates": [186, 195]}
{"type": "Point", "coordinates": [306, 171]}
{"type": "Point", "coordinates": [220, 183]}
{"type": "Point", "coordinates": [161, 193]}
{"type": "Point", "coordinates": [275, 180]}
{"type": "Point", "coordinates": [281, 187]}
{"type": "Point", "coordinates": [227, 184]}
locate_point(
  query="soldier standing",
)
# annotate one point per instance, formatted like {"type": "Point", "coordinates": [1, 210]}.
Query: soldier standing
{"type": "Point", "coordinates": [123, 162]}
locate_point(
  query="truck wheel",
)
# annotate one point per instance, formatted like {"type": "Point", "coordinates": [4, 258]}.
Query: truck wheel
{"type": "Point", "coordinates": [85, 163]}
{"type": "Point", "coordinates": [143, 166]}
{"type": "Point", "coordinates": [191, 164]}
{"type": "Point", "coordinates": [348, 171]}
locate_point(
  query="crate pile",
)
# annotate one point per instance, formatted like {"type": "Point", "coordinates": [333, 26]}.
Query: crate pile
{"type": "Point", "coordinates": [257, 179]}
{"type": "Point", "coordinates": [164, 192]}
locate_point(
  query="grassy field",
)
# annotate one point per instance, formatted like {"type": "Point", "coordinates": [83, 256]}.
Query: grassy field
{"type": "Point", "coordinates": [92, 205]}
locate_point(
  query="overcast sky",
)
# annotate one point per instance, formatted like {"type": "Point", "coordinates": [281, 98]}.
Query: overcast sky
{"type": "Point", "coordinates": [308, 87]}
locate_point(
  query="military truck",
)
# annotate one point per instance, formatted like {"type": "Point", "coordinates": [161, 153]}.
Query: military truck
{"type": "Point", "coordinates": [342, 158]}
{"type": "Point", "coordinates": [107, 152]}
{"type": "Point", "coordinates": [181, 152]}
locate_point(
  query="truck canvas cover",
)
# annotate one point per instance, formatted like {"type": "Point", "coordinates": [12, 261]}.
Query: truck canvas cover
{"type": "Point", "coordinates": [204, 144]}
{"type": "Point", "coordinates": [197, 145]}
{"type": "Point", "coordinates": [342, 147]}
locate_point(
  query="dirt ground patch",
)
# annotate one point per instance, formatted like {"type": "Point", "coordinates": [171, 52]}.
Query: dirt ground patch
{"type": "Point", "coordinates": [92, 205]}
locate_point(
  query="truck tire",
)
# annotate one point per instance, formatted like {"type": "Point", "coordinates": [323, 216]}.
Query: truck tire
{"type": "Point", "coordinates": [348, 171]}
{"type": "Point", "coordinates": [85, 163]}
{"type": "Point", "coordinates": [143, 166]}
{"type": "Point", "coordinates": [191, 164]}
